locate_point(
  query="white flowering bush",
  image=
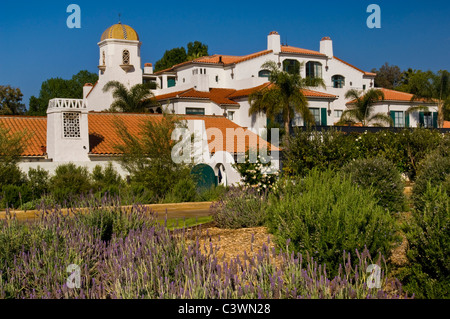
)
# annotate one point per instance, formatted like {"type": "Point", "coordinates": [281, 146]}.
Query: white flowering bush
{"type": "Point", "coordinates": [256, 173]}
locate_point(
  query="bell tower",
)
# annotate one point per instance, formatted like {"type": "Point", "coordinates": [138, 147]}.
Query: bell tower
{"type": "Point", "coordinates": [120, 60]}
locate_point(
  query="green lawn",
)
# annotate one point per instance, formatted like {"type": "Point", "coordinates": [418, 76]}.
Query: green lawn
{"type": "Point", "coordinates": [188, 222]}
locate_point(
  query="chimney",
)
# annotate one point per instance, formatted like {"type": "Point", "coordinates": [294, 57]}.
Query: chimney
{"type": "Point", "coordinates": [148, 68]}
{"type": "Point", "coordinates": [274, 42]}
{"type": "Point", "coordinates": [326, 47]}
{"type": "Point", "coordinates": [87, 88]}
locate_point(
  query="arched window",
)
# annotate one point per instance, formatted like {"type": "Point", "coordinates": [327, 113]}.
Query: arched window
{"type": "Point", "coordinates": [313, 69]}
{"type": "Point", "coordinates": [104, 58]}
{"type": "Point", "coordinates": [126, 57]}
{"type": "Point", "coordinates": [264, 74]}
{"type": "Point", "coordinates": [338, 81]}
{"type": "Point", "coordinates": [291, 66]}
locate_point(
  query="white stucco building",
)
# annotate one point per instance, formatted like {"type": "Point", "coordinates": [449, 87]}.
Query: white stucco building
{"type": "Point", "coordinates": [211, 93]}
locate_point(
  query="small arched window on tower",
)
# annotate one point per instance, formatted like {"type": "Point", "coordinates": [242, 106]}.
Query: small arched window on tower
{"type": "Point", "coordinates": [126, 57]}
{"type": "Point", "coordinates": [104, 58]}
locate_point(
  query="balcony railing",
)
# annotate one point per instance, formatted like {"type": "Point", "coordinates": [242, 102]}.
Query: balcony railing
{"type": "Point", "coordinates": [74, 104]}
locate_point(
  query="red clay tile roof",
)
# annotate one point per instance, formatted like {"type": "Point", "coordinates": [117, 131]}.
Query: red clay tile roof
{"type": "Point", "coordinates": [36, 127]}
{"type": "Point", "coordinates": [103, 136]}
{"type": "Point", "coordinates": [247, 92]}
{"type": "Point", "coordinates": [217, 58]}
{"type": "Point", "coordinates": [216, 95]}
{"type": "Point", "coordinates": [223, 124]}
{"type": "Point", "coordinates": [92, 89]}
{"type": "Point", "coordinates": [227, 96]}
{"type": "Point", "coordinates": [307, 93]}
{"type": "Point", "coordinates": [397, 96]}
{"type": "Point", "coordinates": [354, 67]}
{"type": "Point", "coordinates": [289, 49]}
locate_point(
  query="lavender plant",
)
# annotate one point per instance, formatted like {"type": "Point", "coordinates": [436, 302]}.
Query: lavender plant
{"type": "Point", "coordinates": [149, 261]}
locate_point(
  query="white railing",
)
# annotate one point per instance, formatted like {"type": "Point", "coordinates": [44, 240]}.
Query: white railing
{"type": "Point", "coordinates": [76, 104]}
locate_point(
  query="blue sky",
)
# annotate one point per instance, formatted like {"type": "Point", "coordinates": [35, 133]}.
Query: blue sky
{"type": "Point", "coordinates": [35, 43]}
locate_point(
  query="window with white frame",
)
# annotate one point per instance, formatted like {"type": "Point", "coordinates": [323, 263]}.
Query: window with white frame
{"type": "Point", "coordinates": [316, 113]}
{"type": "Point", "coordinates": [338, 113]}
{"type": "Point", "coordinates": [314, 69]}
{"type": "Point", "coordinates": [231, 115]}
{"type": "Point", "coordinates": [399, 119]}
{"type": "Point", "coordinates": [338, 81]}
{"type": "Point", "coordinates": [428, 119]}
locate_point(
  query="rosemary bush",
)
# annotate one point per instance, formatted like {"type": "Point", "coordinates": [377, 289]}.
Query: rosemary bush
{"type": "Point", "coordinates": [383, 177]}
{"type": "Point", "coordinates": [325, 214]}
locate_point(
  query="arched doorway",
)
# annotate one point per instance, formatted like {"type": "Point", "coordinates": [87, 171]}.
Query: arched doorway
{"type": "Point", "coordinates": [221, 174]}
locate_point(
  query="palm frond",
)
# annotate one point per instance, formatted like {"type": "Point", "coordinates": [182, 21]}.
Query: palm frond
{"type": "Point", "coordinates": [381, 118]}
{"type": "Point", "coordinates": [417, 108]}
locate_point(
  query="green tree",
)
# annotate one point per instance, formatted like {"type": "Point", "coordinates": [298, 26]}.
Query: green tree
{"type": "Point", "coordinates": [388, 76]}
{"type": "Point", "coordinates": [11, 148]}
{"type": "Point", "coordinates": [362, 110]}
{"type": "Point", "coordinates": [10, 101]}
{"type": "Point", "coordinates": [196, 50]}
{"type": "Point", "coordinates": [431, 87]}
{"type": "Point", "coordinates": [60, 88]}
{"type": "Point", "coordinates": [148, 157]}
{"type": "Point", "coordinates": [176, 56]}
{"type": "Point", "coordinates": [171, 58]}
{"type": "Point", "coordinates": [137, 99]}
{"type": "Point", "coordinates": [284, 96]}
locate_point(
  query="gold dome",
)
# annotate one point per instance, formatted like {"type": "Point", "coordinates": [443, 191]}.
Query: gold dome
{"type": "Point", "coordinates": [120, 32]}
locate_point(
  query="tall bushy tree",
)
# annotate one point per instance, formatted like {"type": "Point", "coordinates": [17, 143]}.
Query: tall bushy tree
{"type": "Point", "coordinates": [388, 76]}
{"type": "Point", "coordinates": [362, 110]}
{"type": "Point", "coordinates": [11, 147]}
{"type": "Point", "coordinates": [11, 101]}
{"type": "Point", "coordinates": [60, 88]}
{"type": "Point", "coordinates": [429, 86]}
{"type": "Point", "coordinates": [284, 96]}
{"type": "Point", "coordinates": [175, 56]}
{"type": "Point", "coordinates": [196, 50]}
{"type": "Point", "coordinates": [148, 157]}
{"type": "Point", "coordinates": [137, 99]}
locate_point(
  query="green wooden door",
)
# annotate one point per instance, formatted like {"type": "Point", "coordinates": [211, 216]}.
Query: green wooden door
{"type": "Point", "coordinates": [323, 117]}
{"type": "Point", "coordinates": [204, 176]}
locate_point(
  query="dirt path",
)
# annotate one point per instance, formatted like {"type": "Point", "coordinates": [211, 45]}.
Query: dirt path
{"type": "Point", "coordinates": [182, 210]}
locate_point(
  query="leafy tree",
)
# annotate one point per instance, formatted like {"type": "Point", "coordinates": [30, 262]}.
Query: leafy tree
{"type": "Point", "coordinates": [10, 101]}
{"type": "Point", "coordinates": [388, 76]}
{"type": "Point", "coordinates": [136, 99]}
{"type": "Point", "coordinates": [11, 147]}
{"type": "Point", "coordinates": [432, 87]}
{"type": "Point", "coordinates": [196, 50]}
{"type": "Point", "coordinates": [171, 58]}
{"type": "Point", "coordinates": [60, 88]}
{"type": "Point", "coordinates": [284, 96]}
{"type": "Point", "coordinates": [176, 56]}
{"type": "Point", "coordinates": [148, 157]}
{"type": "Point", "coordinates": [362, 110]}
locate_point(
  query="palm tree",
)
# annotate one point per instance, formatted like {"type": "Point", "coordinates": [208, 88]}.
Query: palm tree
{"type": "Point", "coordinates": [362, 110]}
{"type": "Point", "coordinates": [137, 99]}
{"type": "Point", "coordinates": [283, 96]}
